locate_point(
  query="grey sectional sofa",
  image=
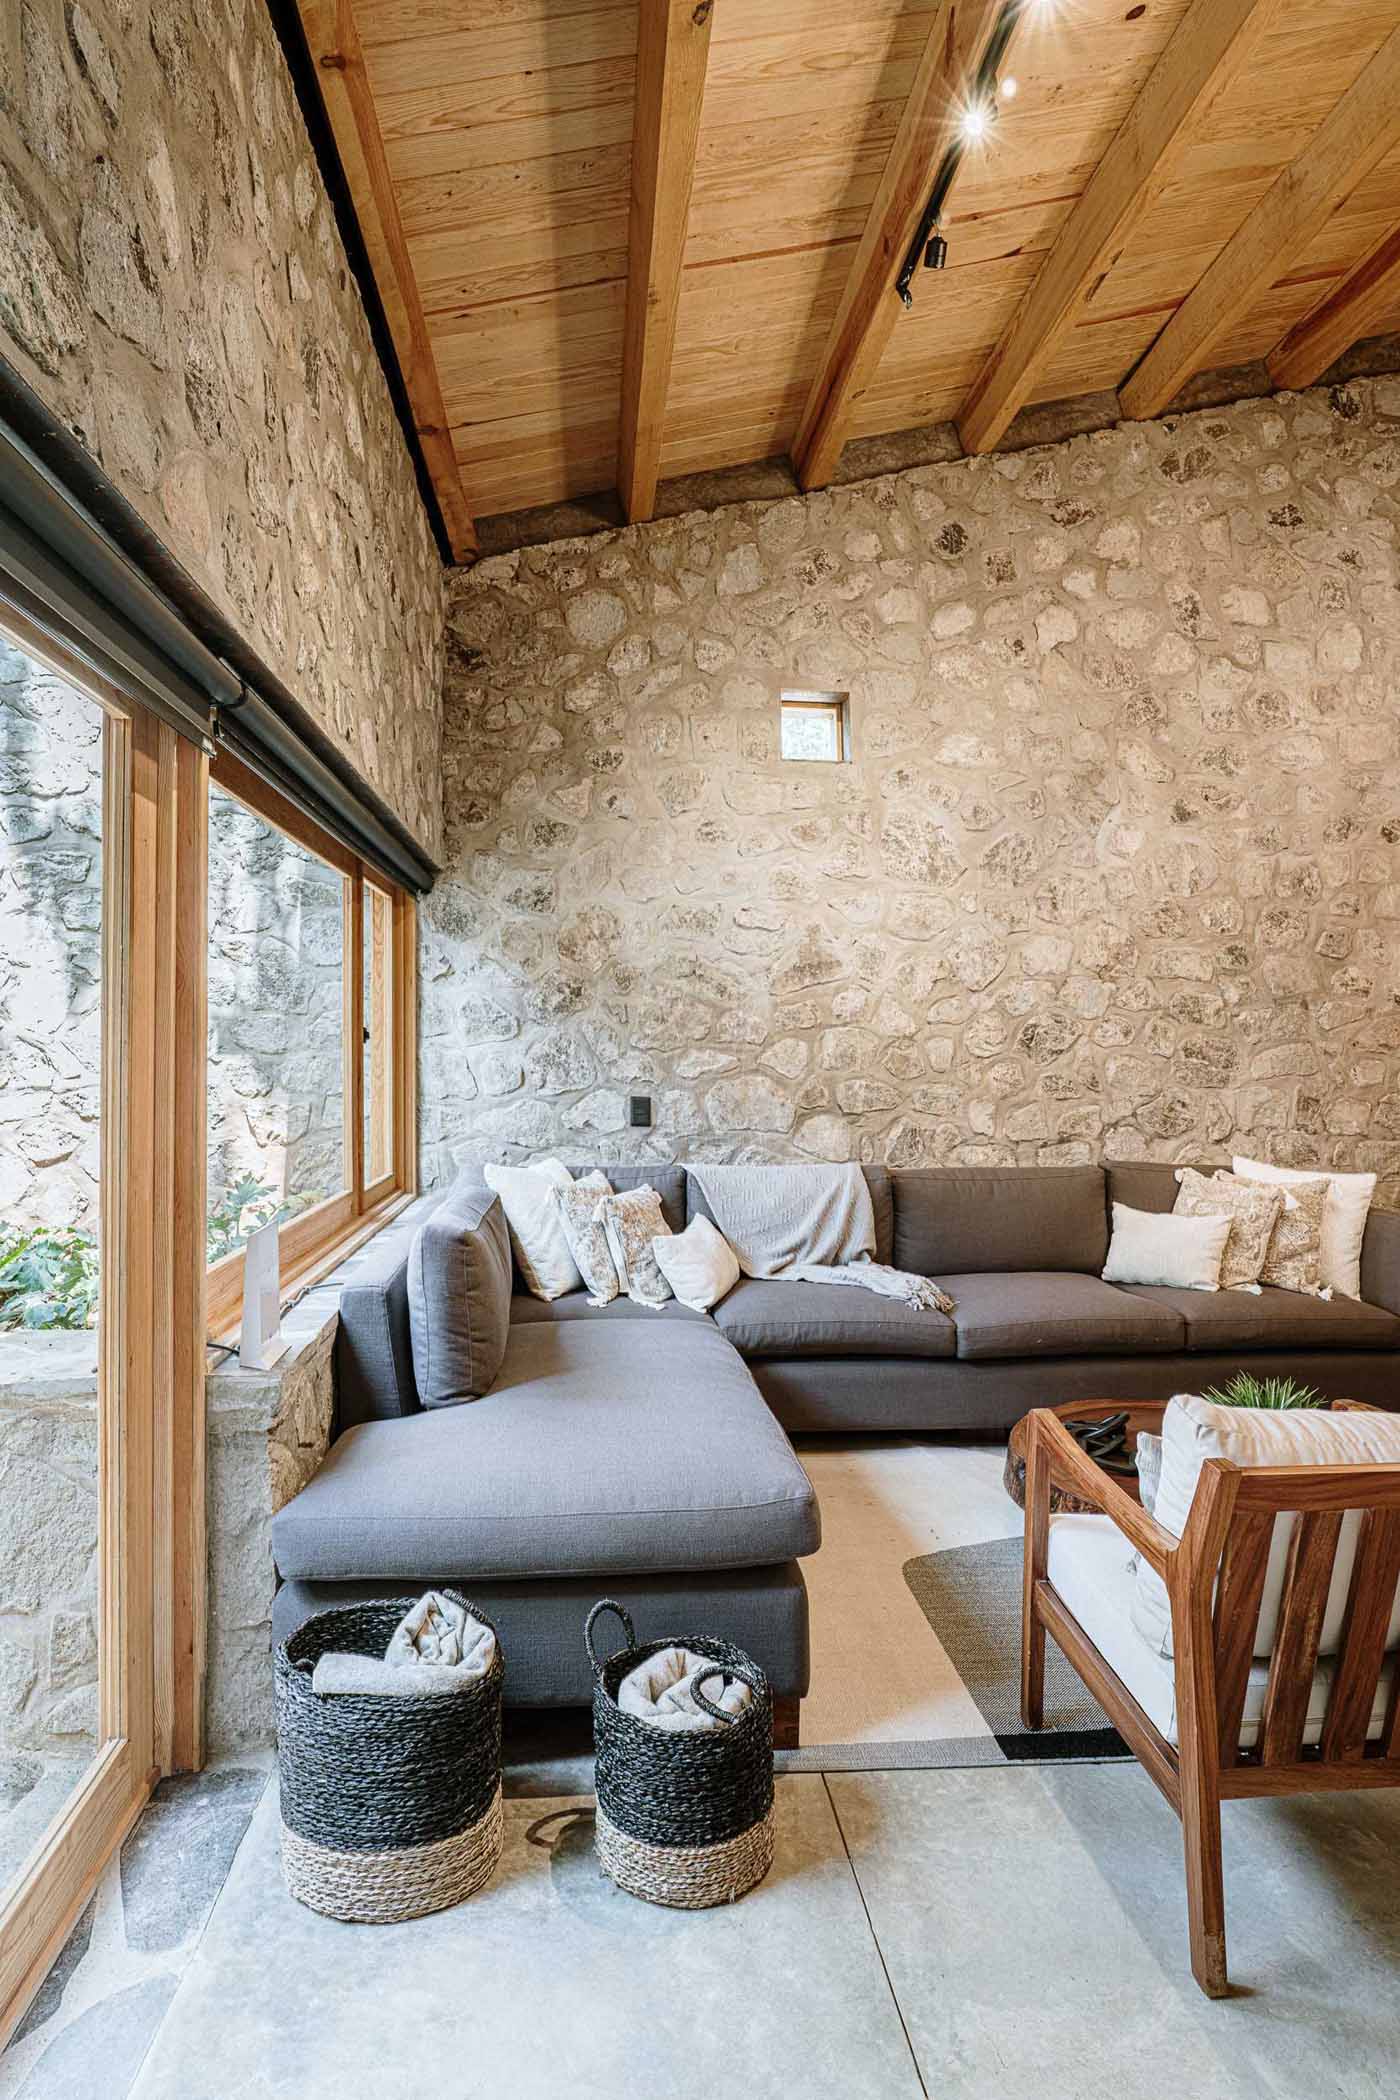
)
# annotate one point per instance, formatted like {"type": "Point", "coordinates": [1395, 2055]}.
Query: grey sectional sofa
{"type": "Point", "coordinates": [630, 1452]}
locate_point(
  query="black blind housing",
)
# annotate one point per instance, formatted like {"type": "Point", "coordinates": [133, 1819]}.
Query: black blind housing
{"type": "Point", "coordinates": [61, 571]}
{"type": "Point", "coordinates": [66, 575]}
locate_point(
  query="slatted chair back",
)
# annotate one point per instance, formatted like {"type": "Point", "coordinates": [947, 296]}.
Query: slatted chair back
{"type": "Point", "coordinates": [1242, 1507]}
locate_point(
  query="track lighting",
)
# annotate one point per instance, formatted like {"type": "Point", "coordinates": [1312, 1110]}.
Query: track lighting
{"type": "Point", "coordinates": [974, 123]}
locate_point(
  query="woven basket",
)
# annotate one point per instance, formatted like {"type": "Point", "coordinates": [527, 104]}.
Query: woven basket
{"type": "Point", "coordinates": [684, 1818]}
{"type": "Point", "coordinates": [390, 1807]}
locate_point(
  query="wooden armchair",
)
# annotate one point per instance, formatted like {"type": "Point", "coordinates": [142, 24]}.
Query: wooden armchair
{"type": "Point", "coordinates": [1229, 1531]}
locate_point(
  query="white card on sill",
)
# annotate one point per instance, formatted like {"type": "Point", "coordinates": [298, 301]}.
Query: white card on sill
{"type": "Point", "coordinates": [261, 1342]}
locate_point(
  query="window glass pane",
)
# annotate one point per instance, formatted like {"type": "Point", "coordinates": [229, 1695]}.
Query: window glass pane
{"type": "Point", "coordinates": [51, 1024]}
{"type": "Point", "coordinates": [276, 1026]}
{"type": "Point", "coordinates": [379, 1034]}
{"type": "Point", "coordinates": [811, 729]}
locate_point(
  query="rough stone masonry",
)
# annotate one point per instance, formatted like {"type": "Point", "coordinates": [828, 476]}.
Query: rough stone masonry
{"type": "Point", "coordinates": [172, 284]}
{"type": "Point", "coordinates": [1115, 868]}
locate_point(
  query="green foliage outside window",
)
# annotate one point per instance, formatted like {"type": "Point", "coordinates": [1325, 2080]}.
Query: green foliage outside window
{"type": "Point", "coordinates": [49, 1274]}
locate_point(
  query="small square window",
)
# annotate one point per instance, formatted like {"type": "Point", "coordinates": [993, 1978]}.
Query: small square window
{"type": "Point", "coordinates": [815, 726]}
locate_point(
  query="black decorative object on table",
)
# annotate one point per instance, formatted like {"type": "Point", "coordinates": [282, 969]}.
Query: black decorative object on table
{"type": "Point", "coordinates": [1106, 1442]}
{"type": "Point", "coordinates": [685, 1818]}
{"type": "Point", "coordinates": [390, 1807]}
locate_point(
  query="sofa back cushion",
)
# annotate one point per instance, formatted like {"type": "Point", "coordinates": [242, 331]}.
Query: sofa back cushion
{"type": "Point", "coordinates": [668, 1181]}
{"type": "Point", "coordinates": [877, 1180]}
{"type": "Point", "coordinates": [1194, 1430]}
{"type": "Point", "coordinates": [1147, 1184]}
{"type": "Point", "coordinates": [951, 1221]}
{"type": "Point", "coordinates": [459, 1290]}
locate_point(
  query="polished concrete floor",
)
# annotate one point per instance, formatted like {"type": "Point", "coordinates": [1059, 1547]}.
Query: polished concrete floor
{"type": "Point", "coordinates": [1011, 1934]}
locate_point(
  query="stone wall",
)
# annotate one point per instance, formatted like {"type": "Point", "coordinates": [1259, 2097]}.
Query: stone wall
{"type": "Point", "coordinates": [268, 1432]}
{"type": "Point", "coordinates": [48, 1554]}
{"type": "Point", "coordinates": [275, 977]}
{"type": "Point", "coordinates": [50, 947]}
{"type": "Point", "coordinates": [173, 286]}
{"type": "Point", "coordinates": [1115, 868]}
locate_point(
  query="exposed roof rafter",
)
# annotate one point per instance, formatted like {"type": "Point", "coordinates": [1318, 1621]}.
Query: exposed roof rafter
{"type": "Point", "coordinates": [1358, 133]}
{"type": "Point", "coordinates": [673, 48]}
{"type": "Point", "coordinates": [1355, 308]}
{"type": "Point", "coordinates": [1210, 44]}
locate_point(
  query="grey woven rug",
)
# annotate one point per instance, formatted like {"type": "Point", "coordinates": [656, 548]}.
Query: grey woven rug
{"type": "Point", "coordinates": [971, 1597]}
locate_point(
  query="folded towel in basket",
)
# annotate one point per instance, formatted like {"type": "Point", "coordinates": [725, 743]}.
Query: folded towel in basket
{"type": "Point", "coordinates": [370, 1677]}
{"type": "Point", "coordinates": [434, 1630]}
{"type": "Point", "coordinates": [437, 1647]}
{"type": "Point", "coordinates": [658, 1691]}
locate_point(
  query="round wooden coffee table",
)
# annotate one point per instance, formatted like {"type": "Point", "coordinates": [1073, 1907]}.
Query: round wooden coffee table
{"type": "Point", "coordinates": [1142, 1414]}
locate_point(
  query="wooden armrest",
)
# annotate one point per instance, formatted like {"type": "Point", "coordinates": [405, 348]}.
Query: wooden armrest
{"type": "Point", "coordinates": [1067, 1465]}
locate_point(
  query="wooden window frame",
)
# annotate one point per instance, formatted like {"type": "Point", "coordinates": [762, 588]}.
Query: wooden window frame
{"type": "Point", "coordinates": [792, 700]}
{"type": "Point", "coordinates": [315, 1240]}
{"type": "Point", "coordinates": [152, 1559]}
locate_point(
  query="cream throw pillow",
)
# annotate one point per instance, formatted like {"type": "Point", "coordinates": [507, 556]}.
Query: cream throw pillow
{"type": "Point", "coordinates": [1194, 1430]}
{"type": "Point", "coordinates": [1253, 1215]}
{"type": "Point", "coordinates": [537, 1235]}
{"type": "Point", "coordinates": [1157, 1246]}
{"type": "Point", "coordinates": [699, 1263]}
{"type": "Point", "coordinates": [1344, 1216]}
{"type": "Point", "coordinates": [633, 1222]}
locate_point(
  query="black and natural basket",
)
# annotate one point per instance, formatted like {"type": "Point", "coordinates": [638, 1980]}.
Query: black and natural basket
{"type": "Point", "coordinates": [685, 1817]}
{"type": "Point", "coordinates": [390, 1807]}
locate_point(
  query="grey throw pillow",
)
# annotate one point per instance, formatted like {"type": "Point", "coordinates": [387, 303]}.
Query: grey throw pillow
{"type": "Point", "coordinates": [459, 1285]}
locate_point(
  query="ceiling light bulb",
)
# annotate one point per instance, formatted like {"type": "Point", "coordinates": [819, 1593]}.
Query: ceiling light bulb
{"type": "Point", "coordinates": [1008, 88]}
{"type": "Point", "coordinates": [975, 121]}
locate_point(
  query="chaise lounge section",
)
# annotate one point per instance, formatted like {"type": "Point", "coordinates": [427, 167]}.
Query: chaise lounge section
{"type": "Point", "coordinates": [643, 1454]}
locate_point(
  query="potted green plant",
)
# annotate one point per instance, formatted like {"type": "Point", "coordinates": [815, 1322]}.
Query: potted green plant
{"type": "Point", "coordinates": [1245, 1390]}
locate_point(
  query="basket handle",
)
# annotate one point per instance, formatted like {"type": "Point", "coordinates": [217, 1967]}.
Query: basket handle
{"type": "Point", "coordinates": [707, 1706]}
{"type": "Point", "coordinates": [607, 1604]}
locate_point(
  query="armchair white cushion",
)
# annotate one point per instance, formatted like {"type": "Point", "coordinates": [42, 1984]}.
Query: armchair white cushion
{"type": "Point", "coordinates": [1090, 1564]}
{"type": "Point", "coordinates": [1194, 1430]}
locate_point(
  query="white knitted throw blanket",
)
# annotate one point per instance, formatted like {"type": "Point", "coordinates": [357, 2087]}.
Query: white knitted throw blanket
{"type": "Point", "coordinates": [807, 1224]}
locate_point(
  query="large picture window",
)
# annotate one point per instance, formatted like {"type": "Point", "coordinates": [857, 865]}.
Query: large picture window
{"type": "Point", "coordinates": [309, 1110]}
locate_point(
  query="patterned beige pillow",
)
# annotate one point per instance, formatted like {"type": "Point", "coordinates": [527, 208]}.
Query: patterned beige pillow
{"type": "Point", "coordinates": [632, 1221]}
{"type": "Point", "coordinates": [1293, 1259]}
{"type": "Point", "coordinates": [1252, 1220]}
{"type": "Point", "coordinates": [580, 1207]}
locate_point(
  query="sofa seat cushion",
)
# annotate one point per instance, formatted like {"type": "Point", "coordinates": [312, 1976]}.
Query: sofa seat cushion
{"type": "Point", "coordinates": [1090, 1564]}
{"type": "Point", "coordinates": [526, 1311]}
{"type": "Point", "coordinates": [1056, 1312]}
{"type": "Point", "coordinates": [602, 1448]}
{"type": "Point", "coordinates": [787, 1320]}
{"type": "Point", "coordinates": [1273, 1320]}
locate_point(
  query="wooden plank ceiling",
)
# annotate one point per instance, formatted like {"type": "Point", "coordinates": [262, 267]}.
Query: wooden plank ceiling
{"type": "Point", "coordinates": [623, 239]}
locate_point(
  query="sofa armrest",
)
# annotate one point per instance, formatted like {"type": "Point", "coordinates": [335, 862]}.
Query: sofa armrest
{"type": "Point", "coordinates": [1380, 1260]}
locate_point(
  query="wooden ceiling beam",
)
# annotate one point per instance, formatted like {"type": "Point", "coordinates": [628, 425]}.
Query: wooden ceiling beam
{"type": "Point", "coordinates": [870, 304]}
{"type": "Point", "coordinates": [1356, 307]}
{"type": "Point", "coordinates": [673, 49]}
{"type": "Point", "coordinates": [334, 43]}
{"type": "Point", "coordinates": [1209, 46]}
{"type": "Point", "coordinates": [1360, 130]}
